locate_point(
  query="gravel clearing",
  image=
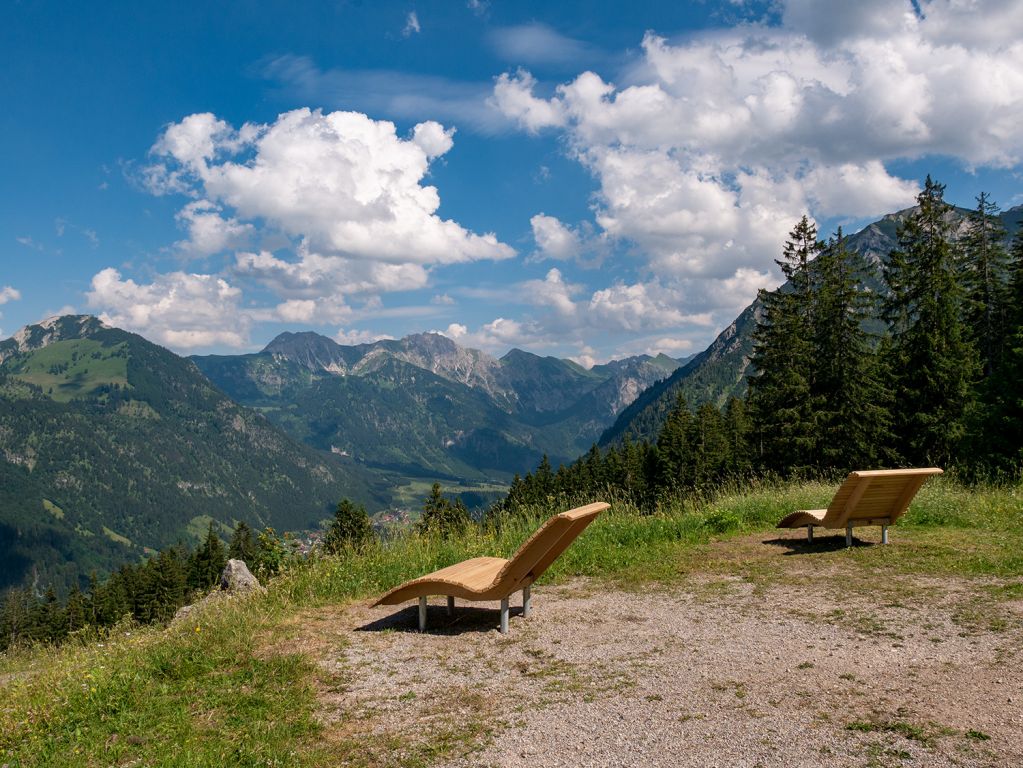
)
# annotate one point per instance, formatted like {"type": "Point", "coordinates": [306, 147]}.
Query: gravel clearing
{"type": "Point", "coordinates": [808, 668]}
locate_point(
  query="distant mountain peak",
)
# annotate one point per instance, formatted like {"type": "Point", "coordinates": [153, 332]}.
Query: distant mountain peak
{"type": "Point", "coordinates": [289, 341]}
{"type": "Point", "coordinates": [51, 330]}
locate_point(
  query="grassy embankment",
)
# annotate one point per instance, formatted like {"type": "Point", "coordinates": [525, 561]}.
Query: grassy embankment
{"type": "Point", "coordinates": [225, 689]}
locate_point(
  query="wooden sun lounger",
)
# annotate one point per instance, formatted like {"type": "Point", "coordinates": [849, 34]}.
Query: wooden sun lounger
{"type": "Point", "coordinates": [872, 497]}
{"type": "Point", "coordinates": [494, 578]}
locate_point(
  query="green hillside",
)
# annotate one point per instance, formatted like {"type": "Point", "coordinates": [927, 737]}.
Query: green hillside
{"type": "Point", "coordinates": [111, 445]}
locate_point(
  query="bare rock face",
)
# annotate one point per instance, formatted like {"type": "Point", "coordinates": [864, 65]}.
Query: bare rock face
{"type": "Point", "coordinates": [237, 577]}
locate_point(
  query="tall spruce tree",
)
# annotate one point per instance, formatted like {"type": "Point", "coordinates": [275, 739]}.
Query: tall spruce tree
{"type": "Point", "coordinates": [207, 562]}
{"type": "Point", "coordinates": [442, 517]}
{"type": "Point", "coordinates": [932, 361]}
{"type": "Point", "coordinates": [850, 402]}
{"type": "Point", "coordinates": [710, 445]}
{"type": "Point", "coordinates": [350, 527]}
{"type": "Point", "coordinates": [243, 545]}
{"type": "Point", "coordinates": [779, 395]}
{"type": "Point", "coordinates": [999, 438]}
{"type": "Point", "coordinates": [984, 277]}
{"type": "Point", "coordinates": [737, 430]}
{"type": "Point", "coordinates": [673, 451]}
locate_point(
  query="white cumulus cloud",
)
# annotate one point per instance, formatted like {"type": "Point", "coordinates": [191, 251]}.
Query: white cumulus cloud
{"type": "Point", "coordinates": [711, 147]}
{"type": "Point", "coordinates": [344, 188]}
{"type": "Point", "coordinates": [180, 310]}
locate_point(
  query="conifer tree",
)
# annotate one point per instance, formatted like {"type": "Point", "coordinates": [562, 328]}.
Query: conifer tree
{"type": "Point", "coordinates": [543, 482]}
{"type": "Point", "coordinates": [999, 437]}
{"type": "Point", "coordinates": [207, 562]}
{"type": "Point", "coordinates": [350, 527]}
{"type": "Point", "coordinates": [932, 360]}
{"type": "Point", "coordinates": [737, 434]}
{"type": "Point", "coordinates": [243, 545]}
{"type": "Point", "coordinates": [709, 448]}
{"type": "Point", "coordinates": [850, 402]}
{"type": "Point", "coordinates": [75, 609]}
{"type": "Point", "coordinates": [984, 276]}
{"type": "Point", "coordinates": [779, 395]}
{"type": "Point", "coordinates": [443, 518]}
{"type": "Point", "coordinates": [675, 471]}
{"type": "Point", "coordinates": [50, 624]}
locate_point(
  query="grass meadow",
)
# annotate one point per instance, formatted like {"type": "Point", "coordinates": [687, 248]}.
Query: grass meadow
{"type": "Point", "coordinates": [222, 689]}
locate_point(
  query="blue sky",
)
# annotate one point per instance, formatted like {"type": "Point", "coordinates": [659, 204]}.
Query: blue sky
{"type": "Point", "coordinates": [581, 179]}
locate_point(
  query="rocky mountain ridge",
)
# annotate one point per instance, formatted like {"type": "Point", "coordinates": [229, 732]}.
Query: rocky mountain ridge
{"type": "Point", "coordinates": [424, 404]}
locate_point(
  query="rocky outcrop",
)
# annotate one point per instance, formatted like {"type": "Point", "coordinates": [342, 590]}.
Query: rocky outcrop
{"type": "Point", "coordinates": [235, 579]}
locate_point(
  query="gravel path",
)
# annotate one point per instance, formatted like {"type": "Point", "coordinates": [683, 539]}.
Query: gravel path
{"type": "Point", "coordinates": [714, 671]}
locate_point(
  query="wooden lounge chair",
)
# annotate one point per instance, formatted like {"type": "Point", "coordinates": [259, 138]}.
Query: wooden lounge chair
{"type": "Point", "coordinates": [494, 578]}
{"type": "Point", "coordinates": [872, 497]}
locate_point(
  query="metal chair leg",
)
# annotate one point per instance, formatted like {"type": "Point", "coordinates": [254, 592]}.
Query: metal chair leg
{"type": "Point", "coordinates": [809, 534]}
{"type": "Point", "coordinates": [884, 534]}
{"type": "Point", "coordinates": [527, 601]}
{"type": "Point", "coordinates": [451, 605]}
{"type": "Point", "coordinates": [504, 616]}
{"type": "Point", "coordinates": [422, 614]}
{"type": "Point", "coordinates": [848, 535]}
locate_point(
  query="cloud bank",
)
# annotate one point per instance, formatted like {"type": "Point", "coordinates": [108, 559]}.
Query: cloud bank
{"type": "Point", "coordinates": [710, 148]}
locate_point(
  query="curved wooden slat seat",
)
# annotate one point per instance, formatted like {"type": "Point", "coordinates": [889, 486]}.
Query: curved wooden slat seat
{"type": "Point", "coordinates": [494, 578]}
{"type": "Point", "coordinates": [867, 497]}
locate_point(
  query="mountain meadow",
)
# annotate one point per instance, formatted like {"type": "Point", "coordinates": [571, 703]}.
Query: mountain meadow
{"type": "Point", "coordinates": [900, 345]}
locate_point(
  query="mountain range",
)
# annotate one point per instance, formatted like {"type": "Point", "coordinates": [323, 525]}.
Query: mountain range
{"type": "Point", "coordinates": [426, 407]}
{"type": "Point", "coordinates": [112, 446]}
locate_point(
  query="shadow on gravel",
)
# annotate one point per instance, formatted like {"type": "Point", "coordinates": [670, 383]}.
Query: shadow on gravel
{"type": "Point", "coordinates": [438, 622]}
{"type": "Point", "coordinates": [820, 544]}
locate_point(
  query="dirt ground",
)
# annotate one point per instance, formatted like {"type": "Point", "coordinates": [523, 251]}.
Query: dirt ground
{"type": "Point", "coordinates": [809, 662]}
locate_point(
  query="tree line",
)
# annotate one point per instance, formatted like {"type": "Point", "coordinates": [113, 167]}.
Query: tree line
{"type": "Point", "coordinates": [938, 385]}
{"type": "Point", "coordinates": [146, 592]}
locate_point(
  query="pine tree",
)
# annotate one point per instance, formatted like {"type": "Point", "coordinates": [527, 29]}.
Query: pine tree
{"type": "Point", "coordinates": [933, 362]}
{"type": "Point", "coordinates": [207, 562]}
{"type": "Point", "coordinates": [710, 448]}
{"type": "Point", "coordinates": [75, 609]}
{"type": "Point", "coordinates": [998, 439]}
{"type": "Point", "coordinates": [243, 544]}
{"type": "Point", "coordinates": [543, 482]}
{"type": "Point", "coordinates": [984, 276]}
{"type": "Point", "coordinates": [350, 527]}
{"type": "Point", "coordinates": [779, 394]}
{"type": "Point", "coordinates": [675, 470]}
{"type": "Point", "coordinates": [737, 433]}
{"type": "Point", "coordinates": [15, 617]}
{"type": "Point", "coordinates": [850, 405]}
{"type": "Point", "coordinates": [51, 623]}
{"type": "Point", "coordinates": [443, 518]}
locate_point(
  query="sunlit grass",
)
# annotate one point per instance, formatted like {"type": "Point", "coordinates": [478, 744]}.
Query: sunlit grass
{"type": "Point", "coordinates": [210, 692]}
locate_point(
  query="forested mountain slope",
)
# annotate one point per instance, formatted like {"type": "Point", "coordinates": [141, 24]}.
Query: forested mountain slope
{"type": "Point", "coordinates": [720, 371]}
{"type": "Point", "coordinates": [426, 406]}
{"type": "Point", "coordinates": [110, 445]}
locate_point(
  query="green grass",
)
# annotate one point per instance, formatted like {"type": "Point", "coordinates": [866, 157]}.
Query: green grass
{"type": "Point", "coordinates": [230, 688]}
{"type": "Point", "coordinates": [68, 369]}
